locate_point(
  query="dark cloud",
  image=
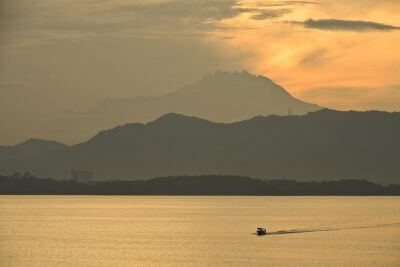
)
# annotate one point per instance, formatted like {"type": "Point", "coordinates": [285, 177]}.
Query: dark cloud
{"type": "Point", "coordinates": [188, 14]}
{"type": "Point", "coordinates": [23, 24]}
{"type": "Point", "coordinates": [287, 3]}
{"type": "Point", "coordinates": [191, 14]}
{"type": "Point", "coordinates": [270, 14]}
{"type": "Point", "coordinates": [344, 25]}
{"type": "Point", "coordinates": [211, 9]}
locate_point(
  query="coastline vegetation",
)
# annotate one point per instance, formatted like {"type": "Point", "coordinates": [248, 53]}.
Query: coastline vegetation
{"type": "Point", "coordinates": [192, 185]}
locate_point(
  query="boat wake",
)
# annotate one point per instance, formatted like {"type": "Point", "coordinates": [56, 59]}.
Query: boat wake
{"type": "Point", "coordinates": [311, 230]}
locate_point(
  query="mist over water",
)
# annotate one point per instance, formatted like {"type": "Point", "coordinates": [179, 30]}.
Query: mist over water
{"type": "Point", "coordinates": [199, 230]}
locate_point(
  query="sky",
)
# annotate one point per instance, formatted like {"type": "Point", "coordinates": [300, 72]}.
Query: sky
{"type": "Point", "coordinates": [63, 57]}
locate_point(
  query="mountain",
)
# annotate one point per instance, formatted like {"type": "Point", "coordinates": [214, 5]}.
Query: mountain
{"type": "Point", "coordinates": [322, 145]}
{"type": "Point", "coordinates": [30, 147]}
{"type": "Point", "coordinates": [219, 97]}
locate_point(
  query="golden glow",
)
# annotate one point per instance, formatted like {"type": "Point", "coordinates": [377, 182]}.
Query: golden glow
{"type": "Point", "coordinates": [303, 59]}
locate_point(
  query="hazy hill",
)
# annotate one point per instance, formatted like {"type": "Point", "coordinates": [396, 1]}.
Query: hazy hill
{"type": "Point", "coordinates": [219, 97]}
{"type": "Point", "coordinates": [324, 144]}
{"type": "Point", "coordinates": [28, 148]}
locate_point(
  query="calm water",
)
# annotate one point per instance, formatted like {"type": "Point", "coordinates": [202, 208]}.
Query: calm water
{"type": "Point", "coordinates": [149, 230]}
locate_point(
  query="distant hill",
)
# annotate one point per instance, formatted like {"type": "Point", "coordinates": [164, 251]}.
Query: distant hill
{"type": "Point", "coordinates": [194, 185]}
{"type": "Point", "coordinates": [322, 145]}
{"type": "Point", "coordinates": [219, 97]}
{"type": "Point", "coordinates": [30, 147]}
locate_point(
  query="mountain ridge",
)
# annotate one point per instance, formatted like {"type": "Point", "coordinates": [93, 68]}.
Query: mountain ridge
{"type": "Point", "coordinates": [31, 146]}
{"type": "Point", "coordinates": [321, 145]}
{"type": "Point", "coordinates": [218, 97]}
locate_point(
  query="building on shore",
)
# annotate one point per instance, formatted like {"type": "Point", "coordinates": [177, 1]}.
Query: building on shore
{"type": "Point", "coordinates": [81, 176]}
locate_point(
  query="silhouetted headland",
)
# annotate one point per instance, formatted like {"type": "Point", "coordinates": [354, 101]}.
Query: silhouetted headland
{"type": "Point", "coordinates": [193, 185]}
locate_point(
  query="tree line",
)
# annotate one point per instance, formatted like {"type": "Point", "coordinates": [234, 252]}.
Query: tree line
{"type": "Point", "coordinates": [193, 185]}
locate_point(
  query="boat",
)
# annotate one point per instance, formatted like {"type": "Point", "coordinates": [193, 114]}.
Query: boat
{"type": "Point", "coordinates": [261, 231]}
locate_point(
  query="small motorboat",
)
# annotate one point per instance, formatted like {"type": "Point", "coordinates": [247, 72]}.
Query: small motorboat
{"type": "Point", "coordinates": [261, 231]}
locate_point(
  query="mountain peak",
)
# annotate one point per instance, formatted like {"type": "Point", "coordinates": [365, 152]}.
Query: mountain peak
{"type": "Point", "coordinates": [36, 142]}
{"type": "Point", "coordinates": [30, 147]}
{"type": "Point", "coordinates": [224, 74]}
{"type": "Point", "coordinates": [244, 77]}
{"type": "Point", "coordinates": [173, 118]}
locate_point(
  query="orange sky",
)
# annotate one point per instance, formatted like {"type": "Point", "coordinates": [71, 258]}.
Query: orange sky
{"type": "Point", "coordinates": [302, 59]}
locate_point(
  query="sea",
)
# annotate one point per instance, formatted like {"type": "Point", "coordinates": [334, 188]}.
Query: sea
{"type": "Point", "coordinates": [199, 231]}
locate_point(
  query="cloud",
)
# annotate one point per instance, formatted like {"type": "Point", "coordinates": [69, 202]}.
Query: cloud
{"type": "Point", "coordinates": [287, 3]}
{"type": "Point", "coordinates": [200, 15]}
{"type": "Point", "coordinates": [344, 25]}
{"type": "Point", "coordinates": [270, 14]}
{"type": "Point", "coordinates": [211, 9]}
{"type": "Point", "coordinates": [109, 16]}
{"type": "Point", "coordinates": [25, 25]}
{"type": "Point", "coordinates": [177, 14]}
